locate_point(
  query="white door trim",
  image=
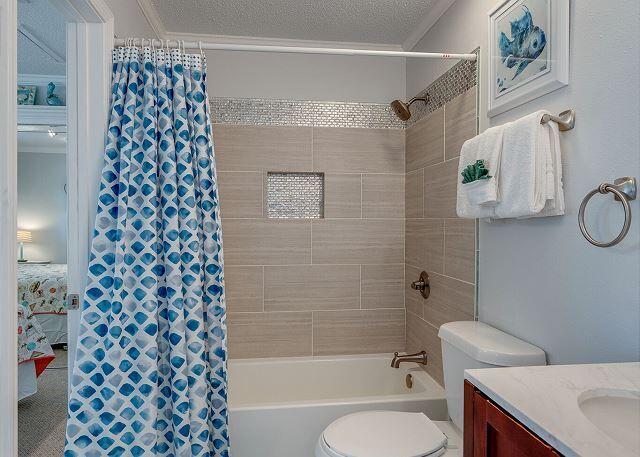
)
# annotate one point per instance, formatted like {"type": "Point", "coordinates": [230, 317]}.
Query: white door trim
{"type": "Point", "coordinates": [90, 40]}
{"type": "Point", "coordinates": [89, 54]}
{"type": "Point", "coordinates": [8, 251]}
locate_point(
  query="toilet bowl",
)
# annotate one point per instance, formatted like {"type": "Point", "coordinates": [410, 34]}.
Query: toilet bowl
{"type": "Point", "coordinates": [465, 345]}
{"type": "Point", "coordinates": [388, 433]}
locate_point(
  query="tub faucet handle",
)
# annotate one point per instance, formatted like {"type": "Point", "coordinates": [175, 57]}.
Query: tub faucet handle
{"type": "Point", "coordinates": [422, 285]}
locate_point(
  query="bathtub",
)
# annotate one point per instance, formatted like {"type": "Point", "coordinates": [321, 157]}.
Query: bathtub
{"type": "Point", "coordinates": [279, 407]}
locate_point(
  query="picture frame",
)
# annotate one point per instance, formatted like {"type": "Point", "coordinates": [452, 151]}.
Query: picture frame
{"type": "Point", "coordinates": [528, 51]}
{"type": "Point", "coordinates": [27, 95]}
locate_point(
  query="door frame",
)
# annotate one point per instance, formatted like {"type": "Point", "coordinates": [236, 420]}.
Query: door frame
{"type": "Point", "coordinates": [89, 44]}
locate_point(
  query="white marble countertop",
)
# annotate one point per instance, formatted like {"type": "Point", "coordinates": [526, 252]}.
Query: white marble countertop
{"type": "Point", "coordinates": [545, 399]}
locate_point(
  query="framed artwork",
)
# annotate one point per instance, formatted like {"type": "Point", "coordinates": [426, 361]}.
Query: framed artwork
{"type": "Point", "coordinates": [528, 51]}
{"type": "Point", "coordinates": [27, 95]}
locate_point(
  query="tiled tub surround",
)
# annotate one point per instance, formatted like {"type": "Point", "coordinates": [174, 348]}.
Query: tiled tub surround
{"type": "Point", "coordinates": [314, 287]}
{"type": "Point", "coordinates": [459, 79]}
{"type": "Point", "coordinates": [435, 239]}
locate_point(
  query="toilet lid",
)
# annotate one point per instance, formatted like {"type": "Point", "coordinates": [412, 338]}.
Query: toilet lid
{"type": "Point", "coordinates": [384, 434]}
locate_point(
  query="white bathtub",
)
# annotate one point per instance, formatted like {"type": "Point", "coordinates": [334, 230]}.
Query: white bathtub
{"type": "Point", "coordinates": [279, 407]}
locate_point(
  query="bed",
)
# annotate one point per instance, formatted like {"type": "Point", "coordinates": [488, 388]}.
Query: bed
{"type": "Point", "coordinates": [34, 351]}
{"type": "Point", "coordinates": [43, 288]}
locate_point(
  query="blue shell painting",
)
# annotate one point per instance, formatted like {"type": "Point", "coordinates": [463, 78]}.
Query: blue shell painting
{"type": "Point", "coordinates": [522, 38]}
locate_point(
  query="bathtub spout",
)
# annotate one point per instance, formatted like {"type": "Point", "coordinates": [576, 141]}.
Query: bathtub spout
{"type": "Point", "coordinates": [419, 357]}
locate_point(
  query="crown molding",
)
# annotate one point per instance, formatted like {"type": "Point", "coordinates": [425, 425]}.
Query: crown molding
{"type": "Point", "coordinates": [263, 41]}
{"type": "Point", "coordinates": [437, 10]}
{"type": "Point", "coordinates": [153, 18]}
{"type": "Point", "coordinates": [41, 80]}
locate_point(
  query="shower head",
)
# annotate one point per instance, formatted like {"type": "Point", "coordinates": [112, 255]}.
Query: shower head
{"type": "Point", "coordinates": [402, 109]}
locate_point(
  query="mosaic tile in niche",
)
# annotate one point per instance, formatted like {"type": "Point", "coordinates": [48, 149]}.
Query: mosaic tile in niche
{"type": "Point", "coordinates": [295, 195]}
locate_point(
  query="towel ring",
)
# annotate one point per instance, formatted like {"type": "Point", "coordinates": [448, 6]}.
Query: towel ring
{"type": "Point", "coordinates": [624, 190]}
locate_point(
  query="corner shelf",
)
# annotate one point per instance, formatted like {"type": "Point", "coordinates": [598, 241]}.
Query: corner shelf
{"type": "Point", "coordinates": [42, 115]}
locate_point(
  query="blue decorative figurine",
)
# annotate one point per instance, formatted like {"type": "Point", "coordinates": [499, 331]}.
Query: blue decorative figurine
{"type": "Point", "coordinates": [53, 99]}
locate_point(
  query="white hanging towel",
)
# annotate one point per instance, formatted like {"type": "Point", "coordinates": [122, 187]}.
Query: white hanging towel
{"type": "Point", "coordinates": [477, 198]}
{"type": "Point", "coordinates": [530, 177]}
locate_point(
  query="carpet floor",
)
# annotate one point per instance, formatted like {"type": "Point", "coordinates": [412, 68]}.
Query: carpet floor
{"type": "Point", "coordinates": [42, 417]}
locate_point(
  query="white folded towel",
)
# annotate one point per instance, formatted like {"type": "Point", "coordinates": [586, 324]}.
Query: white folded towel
{"type": "Point", "coordinates": [477, 199]}
{"type": "Point", "coordinates": [530, 170]}
{"type": "Point", "coordinates": [554, 205]}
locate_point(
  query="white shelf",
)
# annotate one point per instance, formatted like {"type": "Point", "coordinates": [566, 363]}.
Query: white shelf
{"type": "Point", "coordinates": [42, 115]}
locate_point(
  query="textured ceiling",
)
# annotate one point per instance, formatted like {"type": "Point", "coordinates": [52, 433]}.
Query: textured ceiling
{"type": "Point", "coordinates": [364, 21]}
{"type": "Point", "coordinates": [47, 25]}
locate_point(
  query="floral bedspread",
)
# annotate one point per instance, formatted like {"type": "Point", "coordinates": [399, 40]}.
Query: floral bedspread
{"type": "Point", "coordinates": [43, 287]}
{"type": "Point", "coordinates": [32, 343]}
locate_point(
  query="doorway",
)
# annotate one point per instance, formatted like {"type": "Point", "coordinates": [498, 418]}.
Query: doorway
{"type": "Point", "coordinates": [89, 40]}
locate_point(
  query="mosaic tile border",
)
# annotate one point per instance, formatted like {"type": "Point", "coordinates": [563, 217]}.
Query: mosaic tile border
{"type": "Point", "coordinates": [457, 80]}
{"type": "Point", "coordinates": [261, 111]}
{"type": "Point", "coordinates": [257, 111]}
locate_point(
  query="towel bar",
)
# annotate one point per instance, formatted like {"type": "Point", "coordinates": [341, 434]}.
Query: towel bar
{"type": "Point", "coordinates": [624, 190]}
{"type": "Point", "coordinates": [566, 120]}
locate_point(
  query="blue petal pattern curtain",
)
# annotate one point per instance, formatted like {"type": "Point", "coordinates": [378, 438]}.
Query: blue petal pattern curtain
{"type": "Point", "coordinates": [150, 372]}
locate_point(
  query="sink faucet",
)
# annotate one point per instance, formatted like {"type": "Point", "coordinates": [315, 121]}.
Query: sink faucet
{"type": "Point", "coordinates": [418, 357]}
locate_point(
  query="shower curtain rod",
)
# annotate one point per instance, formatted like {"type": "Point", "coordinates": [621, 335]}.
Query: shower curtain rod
{"type": "Point", "coordinates": [203, 45]}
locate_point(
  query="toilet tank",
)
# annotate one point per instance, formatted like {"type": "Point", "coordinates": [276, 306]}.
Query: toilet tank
{"type": "Point", "coordinates": [469, 344]}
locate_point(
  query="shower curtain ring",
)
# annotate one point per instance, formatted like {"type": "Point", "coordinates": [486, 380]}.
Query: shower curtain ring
{"type": "Point", "coordinates": [200, 47]}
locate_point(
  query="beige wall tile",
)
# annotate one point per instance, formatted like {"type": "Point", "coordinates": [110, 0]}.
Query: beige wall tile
{"type": "Point", "coordinates": [414, 194]}
{"type": "Point", "coordinates": [425, 141]}
{"type": "Point", "coordinates": [460, 245]}
{"type": "Point", "coordinates": [311, 287]}
{"type": "Point", "coordinates": [460, 122]}
{"type": "Point", "coordinates": [383, 286]}
{"type": "Point", "coordinates": [424, 243]}
{"type": "Point", "coordinates": [240, 193]}
{"type": "Point", "coordinates": [449, 292]}
{"type": "Point", "coordinates": [358, 241]}
{"type": "Point", "coordinates": [262, 148]}
{"type": "Point", "coordinates": [383, 196]}
{"type": "Point", "coordinates": [358, 332]}
{"type": "Point", "coordinates": [342, 195]}
{"type": "Point", "coordinates": [437, 314]}
{"type": "Point", "coordinates": [266, 242]}
{"type": "Point", "coordinates": [423, 336]}
{"type": "Point", "coordinates": [412, 298]}
{"type": "Point", "coordinates": [440, 182]}
{"type": "Point", "coordinates": [252, 335]}
{"type": "Point", "coordinates": [243, 288]}
{"type": "Point", "coordinates": [358, 150]}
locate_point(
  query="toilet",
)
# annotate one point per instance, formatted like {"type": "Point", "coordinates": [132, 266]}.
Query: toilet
{"type": "Point", "coordinates": [465, 345]}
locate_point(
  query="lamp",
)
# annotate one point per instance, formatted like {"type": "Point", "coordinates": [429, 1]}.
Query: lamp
{"type": "Point", "coordinates": [24, 236]}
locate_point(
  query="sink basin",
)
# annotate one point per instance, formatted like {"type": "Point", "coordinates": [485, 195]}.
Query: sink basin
{"type": "Point", "coordinates": [616, 413]}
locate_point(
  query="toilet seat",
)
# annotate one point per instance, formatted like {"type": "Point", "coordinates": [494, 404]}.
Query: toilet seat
{"type": "Point", "coordinates": [383, 434]}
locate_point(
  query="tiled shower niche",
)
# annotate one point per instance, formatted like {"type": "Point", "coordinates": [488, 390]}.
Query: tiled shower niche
{"type": "Point", "coordinates": [295, 195]}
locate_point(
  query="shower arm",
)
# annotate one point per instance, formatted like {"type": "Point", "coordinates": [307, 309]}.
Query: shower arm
{"type": "Point", "coordinates": [415, 99]}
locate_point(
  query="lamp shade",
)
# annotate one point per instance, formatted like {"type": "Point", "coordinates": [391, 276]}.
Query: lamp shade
{"type": "Point", "coordinates": [24, 236]}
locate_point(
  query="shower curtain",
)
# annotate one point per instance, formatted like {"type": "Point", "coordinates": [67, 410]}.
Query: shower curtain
{"type": "Point", "coordinates": [150, 371]}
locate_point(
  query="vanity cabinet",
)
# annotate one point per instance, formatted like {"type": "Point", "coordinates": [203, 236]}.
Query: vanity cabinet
{"type": "Point", "coordinates": [489, 431]}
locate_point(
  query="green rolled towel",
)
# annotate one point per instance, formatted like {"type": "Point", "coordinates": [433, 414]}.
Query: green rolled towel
{"type": "Point", "coordinates": [474, 172]}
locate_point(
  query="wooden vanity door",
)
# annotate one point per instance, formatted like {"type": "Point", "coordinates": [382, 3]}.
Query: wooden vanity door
{"type": "Point", "coordinates": [496, 434]}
